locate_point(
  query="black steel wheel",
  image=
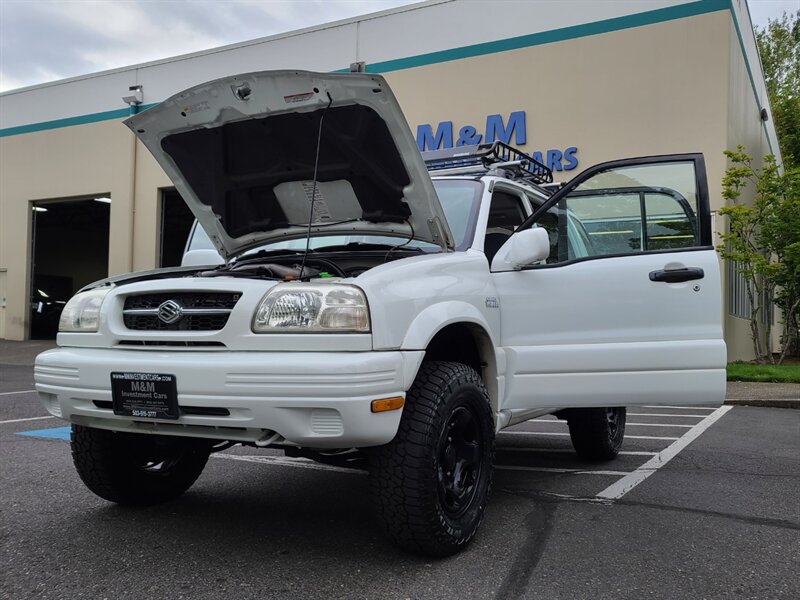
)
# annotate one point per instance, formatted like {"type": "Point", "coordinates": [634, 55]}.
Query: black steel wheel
{"type": "Point", "coordinates": [459, 466]}
{"type": "Point", "coordinates": [597, 433]}
{"type": "Point", "coordinates": [136, 469]}
{"type": "Point", "coordinates": [431, 483]}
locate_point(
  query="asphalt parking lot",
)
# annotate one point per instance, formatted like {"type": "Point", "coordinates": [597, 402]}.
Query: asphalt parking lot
{"type": "Point", "coordinates": [702, 503]}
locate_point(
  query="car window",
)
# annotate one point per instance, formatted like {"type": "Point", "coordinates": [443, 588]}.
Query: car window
{"type": "Point", "coordinates": [568, 237]}
{"type": "Point", "coordinates": [506, 213]}
{"type": "Point", "coordinates": [198, 239]}
{"type": "Point", "coordinates": [460, 201]}
{"type": "Point", "coordinates": [668, 226]}
{"type": "Point", "coordinates": [625, 210]}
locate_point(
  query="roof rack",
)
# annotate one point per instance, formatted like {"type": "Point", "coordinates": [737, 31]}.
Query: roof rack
{"type": "Point", "coordinates": [497, 158]}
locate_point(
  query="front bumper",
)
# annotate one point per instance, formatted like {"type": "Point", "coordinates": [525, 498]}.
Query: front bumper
{"type": "Point", "coordinates": [312, 399]}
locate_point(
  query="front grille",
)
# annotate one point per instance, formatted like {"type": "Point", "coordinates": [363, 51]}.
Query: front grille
{"type": "Point", "coordinates": [173, 343]}
{"type": "Point", "coordinates": [179, 311]}
{"type": "Point", "coordinates": [188, 323]}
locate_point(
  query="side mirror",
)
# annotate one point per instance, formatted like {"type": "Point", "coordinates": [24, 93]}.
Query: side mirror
{"type": "Point", "coordinates": [524, 248]}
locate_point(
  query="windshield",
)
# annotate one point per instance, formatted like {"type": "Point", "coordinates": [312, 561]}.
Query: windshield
{"type": "Point", "coordinates": [459, 198]}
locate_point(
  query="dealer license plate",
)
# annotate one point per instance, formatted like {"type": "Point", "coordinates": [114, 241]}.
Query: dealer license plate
{"type": "Point", "coordinates": [145, 395]}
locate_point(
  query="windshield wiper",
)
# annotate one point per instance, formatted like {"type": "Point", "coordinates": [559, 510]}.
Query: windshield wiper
{"type": "Point", "coordinates": [260, 255]}
{"type": "Point", "coordinates": [366, 246]}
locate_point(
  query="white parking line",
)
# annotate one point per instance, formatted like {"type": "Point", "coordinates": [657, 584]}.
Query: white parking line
{"type": "Point", "coordinates": [632, 424]}
{"type": "Point", "coordinates": [627, 437]}
{"type": "Point", "coordinates": [560, 434]}
{"type": "Point", "coordinates": [564, 471]}
{"type": "Point", "coordinates": [637, 453]}
{"type": "Point", "coordinates": [285, 461]}
{"type": "Point", "coordinates": [658, 425]}
{"type": "Point", "coordinates": [626, 484]}
{"type": "Point", "coordinates": [628, 480]}
{"type": "Point", "coordinates": [682, 407]}
{"type": "Point", "coordinates": [665, 415]}
{"type": "Point", "coordinates": [28, 419]}
{"type": "Point", "coordinates": [547, 450]}
{"type": "Point", "coordinates": [19, 392]}
{"type": "Point", "coordinates": [571, 451]}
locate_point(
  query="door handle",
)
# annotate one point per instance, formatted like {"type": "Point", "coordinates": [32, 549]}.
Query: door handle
{"type": "Point", "coordinates": [677, 275]}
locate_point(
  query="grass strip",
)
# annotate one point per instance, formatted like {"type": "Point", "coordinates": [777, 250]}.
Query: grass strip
{"type": "Point", "coordinates": [745, 371]}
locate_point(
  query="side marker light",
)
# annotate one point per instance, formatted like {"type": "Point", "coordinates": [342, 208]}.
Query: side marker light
{"type": "Point", "coordinates": [387, 404]}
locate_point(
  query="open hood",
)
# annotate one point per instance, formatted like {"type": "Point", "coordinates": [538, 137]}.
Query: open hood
{"type": "Point", "coordinates": [241, 152]}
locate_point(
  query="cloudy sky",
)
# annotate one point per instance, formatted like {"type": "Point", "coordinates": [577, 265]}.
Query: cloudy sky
{"type": "Point", "coordinates": [45, 40]}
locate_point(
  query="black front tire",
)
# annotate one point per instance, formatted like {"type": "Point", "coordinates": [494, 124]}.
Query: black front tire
{"type": "Point", "coordinates": [431, 483]}
{"type": "Point", "coordinates": [136, 469]}
{"type": "Point", "coordinates": [597, 433]}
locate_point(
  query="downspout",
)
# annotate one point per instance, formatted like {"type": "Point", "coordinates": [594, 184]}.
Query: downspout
{"type": "Point", "coordinates": [133, 100]}
{"type": "Point", "coordinates": [132, 192]}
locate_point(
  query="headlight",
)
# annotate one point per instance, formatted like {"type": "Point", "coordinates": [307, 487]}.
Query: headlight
{"type": "Point", "coordinates": [82, 312]}
{"type": "Point", "coordinates": [312, 308]}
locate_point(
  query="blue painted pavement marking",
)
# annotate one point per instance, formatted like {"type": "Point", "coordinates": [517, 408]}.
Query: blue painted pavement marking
{"type": "Point", "coordinates": [54, 433]}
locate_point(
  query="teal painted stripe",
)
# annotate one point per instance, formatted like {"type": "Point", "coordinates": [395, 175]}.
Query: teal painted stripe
{"type": "Point", "coordinates": [120, 113]}
{"type": "Point", "coordinates": [652, 17]}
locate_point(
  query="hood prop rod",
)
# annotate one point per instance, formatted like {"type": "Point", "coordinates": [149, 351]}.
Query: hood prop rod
{"type": "Point", "coordinates": [314, 185]}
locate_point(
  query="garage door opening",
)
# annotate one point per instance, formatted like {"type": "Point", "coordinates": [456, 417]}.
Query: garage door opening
{"type": "Point", "coordinates": [69, 250]}
{"type": "Point", "coordinates": [176, 222]}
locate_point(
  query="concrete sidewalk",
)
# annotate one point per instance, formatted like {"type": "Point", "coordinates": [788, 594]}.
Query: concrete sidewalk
{"type": "Point", "coordinates": [782, 395]}
{"type": "Point", "coordinates": [748, 393]}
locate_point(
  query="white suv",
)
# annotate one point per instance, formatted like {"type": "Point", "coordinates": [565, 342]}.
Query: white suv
{"type": "Point", "coordinates": [367, 315]}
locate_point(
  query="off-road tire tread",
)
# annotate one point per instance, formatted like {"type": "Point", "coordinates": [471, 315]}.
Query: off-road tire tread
{"type": "Point", "coordinates": [99, 458]}
{"type": "Point", "coordinates": [401, 471]}
{"type": "Point", "coordinates": [588, 431]}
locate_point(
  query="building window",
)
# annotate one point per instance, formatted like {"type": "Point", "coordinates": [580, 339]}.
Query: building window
{"type": "Point", "coordinates": [738, 302]}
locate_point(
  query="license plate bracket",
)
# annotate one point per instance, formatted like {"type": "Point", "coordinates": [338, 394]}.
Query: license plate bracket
{"type": "Point", "coordinates": [144, 395]}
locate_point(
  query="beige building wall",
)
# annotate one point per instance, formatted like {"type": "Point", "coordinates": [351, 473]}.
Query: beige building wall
{"type": "Point", "coordinates": [657, 89]}
{"type": "Point", "coordinates": [664, 88]}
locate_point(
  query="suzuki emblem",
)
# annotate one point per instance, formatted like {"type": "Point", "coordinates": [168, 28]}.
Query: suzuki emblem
{"type": "Point", "coordinates": [170, 311]}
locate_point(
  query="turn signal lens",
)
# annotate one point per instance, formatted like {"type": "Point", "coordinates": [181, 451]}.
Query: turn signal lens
{"type": "Point", "coordinates": [387, 404]}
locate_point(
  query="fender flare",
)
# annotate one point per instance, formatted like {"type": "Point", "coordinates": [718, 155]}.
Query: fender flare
{"type": "Point", "coordinates": [434, 318]}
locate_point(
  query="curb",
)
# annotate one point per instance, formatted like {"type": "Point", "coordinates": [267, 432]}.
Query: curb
{"type": "Point", "coordinates": [765, 402]}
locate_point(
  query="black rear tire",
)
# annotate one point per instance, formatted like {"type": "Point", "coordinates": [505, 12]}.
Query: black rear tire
{"type": "Point", "coordinates": [136, 469]}
{"type": "Point", "coordinates": [597, 433]}
{"type": "Point", "coordinates": [431, 483]}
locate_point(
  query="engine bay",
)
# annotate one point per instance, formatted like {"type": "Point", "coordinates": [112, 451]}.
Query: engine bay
{"type": "Point", "coordinates": [294, 266]}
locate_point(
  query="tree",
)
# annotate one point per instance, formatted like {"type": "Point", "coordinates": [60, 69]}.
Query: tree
{"type": "Point", "coordinates": [764, 241]}
{"type": "Point", "coordinates": [779, 47]}
{"type": "Point", "coordinates": [781, 236]}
